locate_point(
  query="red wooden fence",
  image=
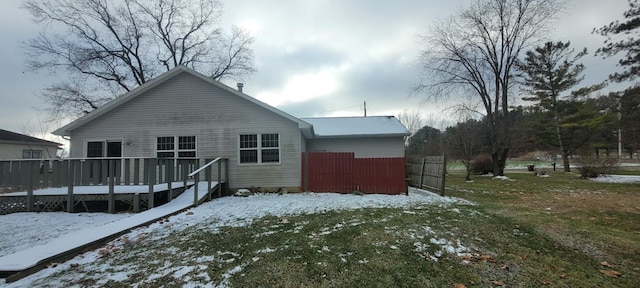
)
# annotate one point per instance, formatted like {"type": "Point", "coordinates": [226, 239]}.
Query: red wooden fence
{"type": "Point", "coordinates": [343, 173]}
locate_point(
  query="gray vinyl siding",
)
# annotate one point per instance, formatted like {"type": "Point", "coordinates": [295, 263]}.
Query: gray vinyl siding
{"type": "Point", "coordinates": [186, 106]}
{"type": "Point", "coordinates": [14, 151]}
{"type": "Point", "coordinates": [372, 147]}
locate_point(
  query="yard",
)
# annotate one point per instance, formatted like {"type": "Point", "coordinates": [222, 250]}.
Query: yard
{"type": "Point", "coordinates": [522, 231]}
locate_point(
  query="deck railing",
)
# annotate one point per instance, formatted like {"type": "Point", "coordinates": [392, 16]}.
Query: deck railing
{"type": "Point", "coordinates": [207, 171]}
{"type": "Point", "coordinates": [32, 174]}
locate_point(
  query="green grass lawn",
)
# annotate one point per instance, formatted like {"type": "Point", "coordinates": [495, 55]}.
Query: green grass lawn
{"type": "Point", "coordinates": [559, 231]}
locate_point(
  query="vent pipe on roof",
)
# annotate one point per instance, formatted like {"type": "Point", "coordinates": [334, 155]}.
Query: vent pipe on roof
{"type": "Point", "coordinates": [240, 85]}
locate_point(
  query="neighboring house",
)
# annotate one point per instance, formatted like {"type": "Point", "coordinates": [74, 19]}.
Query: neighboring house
{"type": "Point", "coordinates": [183, 113]}
{"type": "Point", "coordinates": [19, 146]}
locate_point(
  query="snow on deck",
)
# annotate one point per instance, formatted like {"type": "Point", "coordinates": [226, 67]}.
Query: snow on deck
{"type": "Point", "coordinates": [101, 189]}
{"type": "Point", "coordinates": [33, 256]}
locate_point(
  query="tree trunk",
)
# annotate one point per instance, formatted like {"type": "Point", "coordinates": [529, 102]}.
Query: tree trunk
{"type": "Point", "coordinates": [500, 145]}
{"type": "Point", "coordinates": [499, 159]}
{"type": "Point", "coordinates": [467, 166]}
{"type": "Point", "coordinates": [565, 161]}
{"type": "Point", "coordinates": [565, 155]}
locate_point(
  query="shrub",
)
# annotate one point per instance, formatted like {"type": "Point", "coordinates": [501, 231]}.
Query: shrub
{"type": "Point", "coordinates": [482, 164]}
{"type": "Point", "coordinates": [592, 167]}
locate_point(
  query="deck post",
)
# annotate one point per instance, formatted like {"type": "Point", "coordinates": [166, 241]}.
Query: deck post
{"type": "Point", "coordinates": [136, 203]}
{"type": "Point", "coordinates": [226, 175]}
{"type": "Point", "coordinates": [207, 176]}
{"type": "Point", "coordinates": [219, 194]}
{"type": "Point", "coordinates": [169, 171]}
{"type": "Point", "coordinates": [127, 171]}
{"type": "Point", "coordinates": [195, 190]}
{"type": "Point", "coordinates": [70, 201]}
{"type": "Point", "coordinates": [30, 186]}
{"type": "Point", "coordinates": [152, 180]}
{"type": "Point", "coordinates": [136, 171]}
{"type": "Point", "coordinates": [111, 177]}
{"type": "Point", "coordinates": [185, 172]}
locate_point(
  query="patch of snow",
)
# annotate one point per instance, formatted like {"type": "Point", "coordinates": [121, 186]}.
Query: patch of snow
{"type": "Point", "coordinates": [203, 259]}
{"type": "Point", "coordinates": [266, 250]}
{"type": "Point", "coordinates": [617, 179]}
{"type": "Point", "coordinates": [504, 178]}
{"type": "Point", "coordinates": [181, 271]}
{"type": "Point", "coordinates": [20, 231]}
{"type": "Point", "coordinates": [27, 258]}
{"type": "Point", "coordinates": [228, 274]}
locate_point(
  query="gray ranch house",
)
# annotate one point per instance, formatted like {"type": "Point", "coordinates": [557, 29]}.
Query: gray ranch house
{"type": "Point", "coordinates": [185, 114]}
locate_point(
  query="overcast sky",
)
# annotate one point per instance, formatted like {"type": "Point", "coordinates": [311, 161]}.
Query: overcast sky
{"type": "Point", "coordinates": [315, 58]}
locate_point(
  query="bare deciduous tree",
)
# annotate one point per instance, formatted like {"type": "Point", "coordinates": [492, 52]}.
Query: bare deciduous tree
{"type": "Point", "coordinates": [463, 141]}
{"type": "Point", "coordinates": [474, 53]}
{"type": "Point", "coordinates": [411, 120]}
{"type": "Point", "coordinates": [111, 47]}
{"type": "Point", "coordinates": [40, 128]}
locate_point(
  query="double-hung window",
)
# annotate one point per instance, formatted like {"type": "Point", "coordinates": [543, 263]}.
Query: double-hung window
{"type": "Point", "coordinates": [180, 146]}
{"type": "Point", "coordinates": [259, 148]}
{"type": "Point", "coordinates": [31, 154]}
{"type": "Point", "coordinates": [104, 148]}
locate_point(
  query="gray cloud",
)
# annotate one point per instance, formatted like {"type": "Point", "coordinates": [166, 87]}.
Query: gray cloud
{"type": "Point", "coordinates": [368, 47]}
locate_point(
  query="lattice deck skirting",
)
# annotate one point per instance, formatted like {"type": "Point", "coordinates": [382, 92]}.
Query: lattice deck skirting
{"type": "Point", "coordinates": [131, 202]}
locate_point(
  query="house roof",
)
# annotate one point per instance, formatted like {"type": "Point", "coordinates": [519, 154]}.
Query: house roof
{"type": "Point", "coordinates": [306, 128]}
{"type": "Point", "coordinates": [347, 127]}
{"type": "Point", "coordinates": [17, 138]}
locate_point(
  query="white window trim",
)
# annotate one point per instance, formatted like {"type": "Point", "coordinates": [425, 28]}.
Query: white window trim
{"type": "Point", "coordinates": [259, 148]}
{"type": "Point", "coordinates": [176, 146]}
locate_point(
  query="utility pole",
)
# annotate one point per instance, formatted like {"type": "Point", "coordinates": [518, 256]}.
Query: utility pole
{"type": "Point", "coordinates": [365, 108]}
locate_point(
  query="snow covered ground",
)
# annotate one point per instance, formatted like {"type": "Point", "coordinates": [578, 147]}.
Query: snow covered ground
{"type": "Point", "coordinates": [617, 179]}
{"type": "Point", "coordinates": [228, 211]}
{"type": "Point", "coordinates": [19, 231]}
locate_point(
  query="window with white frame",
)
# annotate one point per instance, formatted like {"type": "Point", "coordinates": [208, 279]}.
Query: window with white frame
{"type": "Point", "coordinates": [166, 147]}
{"type": "Point", "coordinates": [259, 148]}
{"type": "Point", "coordinates": [95, 149]}
{"type": "Point", "coordinates": [31, 154]}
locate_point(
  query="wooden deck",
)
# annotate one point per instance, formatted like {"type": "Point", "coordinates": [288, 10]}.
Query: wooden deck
{"type": "Point", "coordinates": [131, 198]}
{"type": "Point", "coordinates": [102, 184]}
